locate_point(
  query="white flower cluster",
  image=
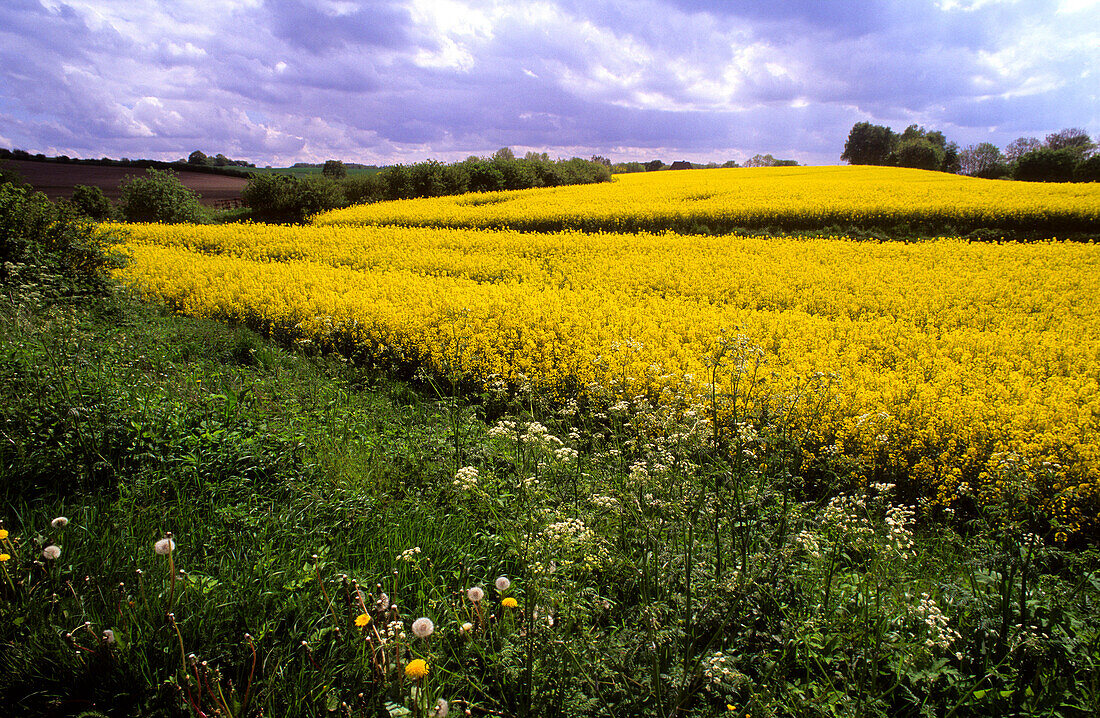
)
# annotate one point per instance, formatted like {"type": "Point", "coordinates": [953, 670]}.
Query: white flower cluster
{"type": "Point", "coordinates": [807, 541]}
{"type": "Point", "coordinates": [466, 478]}
{"type": "Point", "coordinates": [409, 554]}
{"type": "Point", "coordinates": [898, 536]}
{"type": "Point", "coordinates": [718, 668]}
{"type": "Point", "coordinates": [565, 455]}
{"type": "Point", "coordinates": [940, 635]}
{"type": "Point", "coordinates": [848, 515]}
{"type": "Point", "coordinates": [608, 503]}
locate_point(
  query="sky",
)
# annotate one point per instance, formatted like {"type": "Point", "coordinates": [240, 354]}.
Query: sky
{"type": "Point", "coordinates": [387, 81]}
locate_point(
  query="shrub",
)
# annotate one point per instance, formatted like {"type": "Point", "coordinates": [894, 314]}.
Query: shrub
{"type": "Point", "coordinates": [91, 202]}
{"type": "Point", "coordinates": [50, 250]}
{"type": "Point", "coordinates": [284, 198]}
{"type": "Point", "coordinates": [159, 196]}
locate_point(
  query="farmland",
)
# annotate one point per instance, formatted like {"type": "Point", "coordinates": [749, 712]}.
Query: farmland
{"type": "Point", "coordinates": [609, 468]}
{"type": "Point", "coordinates": [888, 199]}
{"type": "Point", "coordinates": [56, 180]}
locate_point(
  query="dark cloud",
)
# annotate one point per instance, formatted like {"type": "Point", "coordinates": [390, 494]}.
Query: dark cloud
{"type": "Point", "coordinates": [315, 28]}
{"type": "Point", "coordinates": [394, 80]}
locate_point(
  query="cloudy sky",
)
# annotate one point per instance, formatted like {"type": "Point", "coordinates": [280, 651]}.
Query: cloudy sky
{"type": "Point", "coordinates": [382, 81]}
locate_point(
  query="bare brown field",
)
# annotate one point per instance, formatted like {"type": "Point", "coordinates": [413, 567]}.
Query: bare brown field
{"type": "Point", "coordinates": [56, 180]}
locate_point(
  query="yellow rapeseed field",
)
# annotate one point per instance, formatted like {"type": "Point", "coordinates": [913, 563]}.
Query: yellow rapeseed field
{"type": "Point", "coordinates": [953, 367]}
{"type": "Point", "coordinates": [788, 197]}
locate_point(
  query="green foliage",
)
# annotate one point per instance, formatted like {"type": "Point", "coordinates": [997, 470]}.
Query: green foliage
{"type": "Point", "coordinates": [50, 251]}
{"type": "Point", "coordinates": [666, 555]}
{"type": "Point", "coordinates": [159, 196]}
{"type": "Point", "coordinates": [868, 144]}
{"type": "Point", "coordinates": [1046, 165]}
{"type": "Point", "coordinates": [917, 153]}
{"type": "Point", "coordinates": [91, 202]}
{"type": "Point", "coordinates": [334, 169]}
{"type": "Point", "coordinates": [1087, 170]}
{"type": "Point", "coordinates": [285, 198]}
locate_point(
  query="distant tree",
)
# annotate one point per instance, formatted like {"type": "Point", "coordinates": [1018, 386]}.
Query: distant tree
{"type": "Point", "coordinates": [1074, 139]}
{"type": "Point", "coordinates": [653, 165]}
{"type": "Point", "coordinates": [1046, 165]}
{"type": "Point", "coordinates": [730, 163]}
{"type": "Point", "coordinates": [1020, 147]}
{"type": "Point", "coordinates": [91, 202]}
{"type": "Point", "coordinates": [983, 160]}
{"type": "Point", "coordinates": [220, 160]}
{"type": "Point", "coordinates": [159, 196]}
{"type": "Point", "coordinates": [197, 158]}
{"type": "Point", "coordinates": [601, 160]}
{"type": "Point", "coordinates": [917, 153]}
{"type": "Point", "coordinates": [504, 153]}
{"type": "Point", "coordinates": [536, 157]}
{"type": "Point", "coordinates": [627, 167]}
{"type": "Point", "coordinates": [759, 160]}
{"type": "Point", "coordinates": [868, 144]}
{"type": "Point", "coordinates": [334, 169]}
{"type": "Point", "coordinates": [785, 163]}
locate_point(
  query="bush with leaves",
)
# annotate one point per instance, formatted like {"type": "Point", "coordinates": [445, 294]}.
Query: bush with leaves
{"type": "Point", "coordinates": [91, 202]}
{"type": "Point", "coordinates": [159, 196]}
{"type": "Point", "coordinates": [49, 250]}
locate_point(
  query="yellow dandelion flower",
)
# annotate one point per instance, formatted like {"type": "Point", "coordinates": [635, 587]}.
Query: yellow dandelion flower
{"type": "Point", "coordinates": [3, 534]}
{"type": "Point", "coordinates": [509, 603]}
{"type": "Point", "coordinates": [362, 620]}
{"type": "Point", "coordinates": [416, 669]}
{"type": "Point", "coordinates": [4, 557]}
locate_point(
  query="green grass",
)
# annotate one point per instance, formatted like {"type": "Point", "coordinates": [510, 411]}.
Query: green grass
{"type": "Point", "coordinates": [659, 567]}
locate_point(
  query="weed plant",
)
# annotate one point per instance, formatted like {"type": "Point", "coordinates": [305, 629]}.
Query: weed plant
{"type": "Point", "coordinates": [199, 522]}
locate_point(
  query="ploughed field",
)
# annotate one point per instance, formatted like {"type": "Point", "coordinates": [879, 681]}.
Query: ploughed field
{"type": "Point", "coordinates": [960, 371]}
{"type": "Point", "coordinates": [56, 180]}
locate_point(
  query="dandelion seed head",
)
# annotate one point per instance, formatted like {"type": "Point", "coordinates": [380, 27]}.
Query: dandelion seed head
{"type": "Point", "coordinates": [51, 552]}
{"type": "Point", "coordinates": [423, 627]}
{"type": "Point", "coordinates": [442, 708]}
{"type": "Point", "coordinates": [165, 546]}
{"type": "Point", "coordinates": [60, 522]}
{"type": "Point", "coordinates": [475, 593]}
{"type": "Point", "coordinates": [503, 583]}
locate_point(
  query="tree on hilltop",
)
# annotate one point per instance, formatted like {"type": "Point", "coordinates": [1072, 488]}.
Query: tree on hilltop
{"type": "Point", "coordinates": [868, 144]}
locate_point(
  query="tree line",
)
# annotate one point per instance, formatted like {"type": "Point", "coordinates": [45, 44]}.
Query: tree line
{"type": "Point", "coordinates": [285, 198]}
{"type": "Point", "coordinates": [1066, 156]}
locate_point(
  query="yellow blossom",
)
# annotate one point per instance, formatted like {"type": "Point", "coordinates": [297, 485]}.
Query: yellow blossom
{"type": "Point", "coordinates": [362, 620]}
{"type": "Point", "coordinates": [416, 669]}
{"type": "Point", "coordinates": [509, 602]}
